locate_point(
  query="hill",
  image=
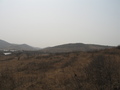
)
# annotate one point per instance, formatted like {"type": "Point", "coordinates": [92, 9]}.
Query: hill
{"type": "Point", "coordinates": [8, 46]}
{"type": "Point", "coordinates": [74, 47]}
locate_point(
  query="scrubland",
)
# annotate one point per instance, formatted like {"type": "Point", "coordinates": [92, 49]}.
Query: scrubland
{"type": "Point", "coordinates": [95, 70]}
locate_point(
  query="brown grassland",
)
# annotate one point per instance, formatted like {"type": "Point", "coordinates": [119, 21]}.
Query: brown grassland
{"type": "Point", "coordinates": [95, 70]}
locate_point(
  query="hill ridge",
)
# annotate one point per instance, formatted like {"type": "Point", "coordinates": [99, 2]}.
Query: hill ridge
{"type": "Point", "coordinates": [8, 46]}
{"type": "Point", "coordinates": [75, 47]}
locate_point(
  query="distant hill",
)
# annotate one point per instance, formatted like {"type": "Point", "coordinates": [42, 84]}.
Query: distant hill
{"type": "Point", "coordinates": [74, 47]}
{"type": "Point", "coordinates": [9, 46]}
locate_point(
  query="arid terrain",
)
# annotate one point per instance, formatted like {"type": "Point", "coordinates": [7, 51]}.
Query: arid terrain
{"type": "Point", "coordinates": [59, 45]}
{"type": "Point", "coordinates": [92, 70]}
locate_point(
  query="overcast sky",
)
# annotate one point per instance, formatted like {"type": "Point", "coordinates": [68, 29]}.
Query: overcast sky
{"type": "Point", "coordinates": [44, 23]}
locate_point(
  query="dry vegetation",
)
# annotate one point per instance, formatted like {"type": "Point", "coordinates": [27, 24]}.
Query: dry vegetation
{"type": "Point", "coordinates": [96, 70]}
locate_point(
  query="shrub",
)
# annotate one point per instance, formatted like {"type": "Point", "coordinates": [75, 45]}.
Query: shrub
{"type": "Point", "coordinates": [103, 73]}
{"type": "Point", "coordinates": [6, 81]}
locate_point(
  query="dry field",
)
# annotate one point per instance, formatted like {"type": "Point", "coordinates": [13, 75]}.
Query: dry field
{"type": "Point", "coordinates": [96, 70]}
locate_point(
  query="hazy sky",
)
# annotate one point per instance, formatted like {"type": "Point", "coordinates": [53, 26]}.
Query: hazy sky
{"type": "Point", "coordinates": [44, 23]}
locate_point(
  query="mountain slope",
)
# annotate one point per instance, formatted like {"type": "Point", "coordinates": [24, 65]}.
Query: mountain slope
{"type": "Point", "coordinates": [8, 46]}
{"type": "Point", "coordinates": [4, 44]}
{"type": "Point", "coordinates": [74, 47]}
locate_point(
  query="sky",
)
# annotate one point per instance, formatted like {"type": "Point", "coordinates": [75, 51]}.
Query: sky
{"type": "Point", "coordinates": [45, 23]}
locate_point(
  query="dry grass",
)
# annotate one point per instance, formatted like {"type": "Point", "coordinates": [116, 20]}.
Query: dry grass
{"type": "Point", "coordinates": [97, 70]}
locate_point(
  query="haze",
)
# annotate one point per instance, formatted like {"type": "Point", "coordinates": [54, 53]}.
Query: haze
{"type": "Point", "coordinates": [44, 23]}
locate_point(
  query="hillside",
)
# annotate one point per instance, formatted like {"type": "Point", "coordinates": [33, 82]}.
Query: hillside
{"type": "Point", "coordinates": [8, 46]}
{"type": "Point", "coordinates": [74, 47]}
{"type": "Point", "coordinates": [97, 70]}
{"type": "Point", "coordinates": [4, 44]}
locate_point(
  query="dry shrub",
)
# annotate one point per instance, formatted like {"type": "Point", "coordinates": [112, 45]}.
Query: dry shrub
{"type": "Point", "coordinates": [6, 80]}
{"type": "Point", "coordinates": [104, 73]}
